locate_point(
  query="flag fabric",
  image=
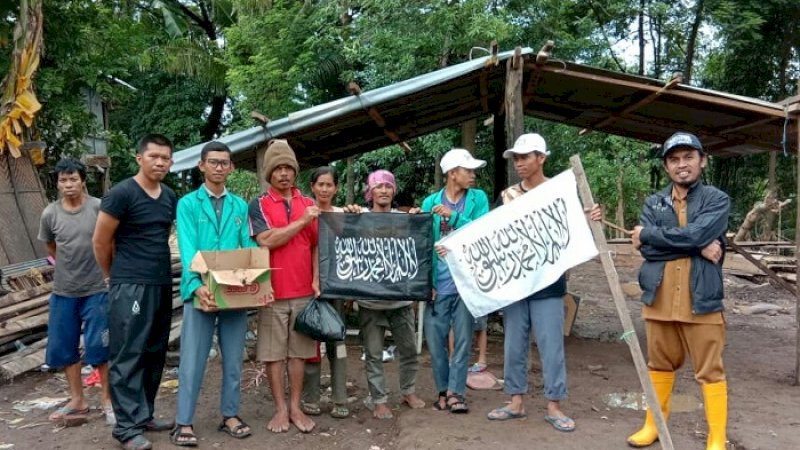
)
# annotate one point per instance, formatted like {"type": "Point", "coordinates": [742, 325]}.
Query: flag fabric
{"type": "Point", "coordinates": [375, 256]}
{"type": "Point", "coordinates": [521, 247]}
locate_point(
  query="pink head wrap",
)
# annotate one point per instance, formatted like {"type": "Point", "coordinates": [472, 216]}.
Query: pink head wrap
{"type": "Point", "coordinates": [376, 178]}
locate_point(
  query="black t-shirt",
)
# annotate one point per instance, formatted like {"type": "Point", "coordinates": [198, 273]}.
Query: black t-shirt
{"type": "Point", "coordinates": [141, 254]}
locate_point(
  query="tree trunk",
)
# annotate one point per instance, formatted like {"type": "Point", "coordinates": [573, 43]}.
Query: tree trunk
{"type": "Point", "coordinates": [770, 215]}
{"type": "Point", "coordinates": [350, 186]}
{"type": "Point", "coordinates": [642, 42]}
{"type": "Point", "coordinates": [692, 41]}
{"type": "Point", "coordinates": [469, 130]}
{"type": "Point", "coordinates": [620, 216]}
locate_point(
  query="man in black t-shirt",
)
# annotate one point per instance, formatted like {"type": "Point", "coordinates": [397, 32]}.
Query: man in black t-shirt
{"type": "Point", "coordinates": [131, 246]}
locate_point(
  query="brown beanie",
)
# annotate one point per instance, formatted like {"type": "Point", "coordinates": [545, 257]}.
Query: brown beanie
{"type": "Point", "coordinates": [279, 153]}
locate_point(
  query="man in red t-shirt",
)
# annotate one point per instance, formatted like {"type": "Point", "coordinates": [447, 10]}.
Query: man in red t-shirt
{"type": "Point", "coordinates": [284, 221]}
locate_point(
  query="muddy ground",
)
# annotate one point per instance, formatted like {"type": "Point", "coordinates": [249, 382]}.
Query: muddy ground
{"type": "Point", "coordinates": [760, 358]}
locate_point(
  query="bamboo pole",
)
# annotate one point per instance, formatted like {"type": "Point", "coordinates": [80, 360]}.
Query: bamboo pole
{"type": "Point", "coordinates": [629, 332]}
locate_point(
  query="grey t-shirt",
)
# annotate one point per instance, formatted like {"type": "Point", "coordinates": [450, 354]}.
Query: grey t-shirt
{"type": "Point", "coordinates": [76, 272]}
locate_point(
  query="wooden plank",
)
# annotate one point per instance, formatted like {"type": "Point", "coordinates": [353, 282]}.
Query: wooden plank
{"type": "Point", "coordinates": [735, 261]}
{"type": "Point", "coordinates": [23, 325]}
{"type": "Point", "coordinates": [770, 273]}
{"type": "Point", "coordinates": [16, 309]}
{"type": "Point", "coordinates": [16, 297]}
{"type": "Point", "coordinates": [633, 107]}
{"type": "Point", "coordinates": [23, 363]}
{"type": "Point", "coordinates": [629, 332]}
{"type": "Point", "coordinates": [708, 99]}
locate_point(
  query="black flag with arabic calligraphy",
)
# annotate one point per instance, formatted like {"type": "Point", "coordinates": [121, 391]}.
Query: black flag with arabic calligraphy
{"type": "Point", "coordinates": [375, 256]}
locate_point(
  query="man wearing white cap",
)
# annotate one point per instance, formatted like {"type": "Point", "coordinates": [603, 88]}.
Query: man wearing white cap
{"type": "Point", "coordinates": [542, 311]}
{"type": "Point", "coordinates": [453, 207]}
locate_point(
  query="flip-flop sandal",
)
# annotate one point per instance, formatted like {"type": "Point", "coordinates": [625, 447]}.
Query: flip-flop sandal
{"type": "Point", "coordinates": [340, 412]}
{"type": "Point", "coordinates": [437, 405]}
{"type": "Point", "coordinates": [65, 413]}
{"type": "Point", "coordinates": [237, 431]}
{"type": "Point", "coordinates": [183, 438]}
{"type": "Point", "coordinates": [459, 406]}
{"type": "Point", "coordinates": [561, 423]}
{"type": "Point", "coordinates": [137, 442]}
{"type": "Point", "coordinates": [311, 409]}
{"type": "Point", "coordinates": [505, 413]}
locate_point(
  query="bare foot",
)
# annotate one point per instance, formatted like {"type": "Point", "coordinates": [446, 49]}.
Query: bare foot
{"type": "Point", "coordinates": [301, 421]}
{"type": "Point", "coordinates": [382, 412]}
{"type": "Point", "coordinates": [413, 401]}
{"type": "Point", "coordinates": [279, 422]}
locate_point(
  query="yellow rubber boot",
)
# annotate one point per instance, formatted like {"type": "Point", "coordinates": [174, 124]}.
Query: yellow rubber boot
{"type": "Point", "coordinates": [662, 383]}
{"type": "Point", "coordinates": [716, 403]}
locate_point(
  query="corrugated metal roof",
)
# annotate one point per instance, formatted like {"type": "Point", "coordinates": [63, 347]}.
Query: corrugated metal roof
{"type": "Point", "coordinates": [322, 116]}
{"type": "Point", "coordinates": [582, 96]}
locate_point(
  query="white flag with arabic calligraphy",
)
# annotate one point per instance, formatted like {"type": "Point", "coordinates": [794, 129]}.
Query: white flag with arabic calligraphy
{"type": "Point", "coordinates": [521, 247]}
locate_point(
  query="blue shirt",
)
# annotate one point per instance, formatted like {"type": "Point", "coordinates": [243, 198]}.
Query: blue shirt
{"type": "Point", "coordinates": [444, 280]}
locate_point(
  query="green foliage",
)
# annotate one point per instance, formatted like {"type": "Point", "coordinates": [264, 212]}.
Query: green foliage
{"type": "Point", "coordinates": [244, 183]}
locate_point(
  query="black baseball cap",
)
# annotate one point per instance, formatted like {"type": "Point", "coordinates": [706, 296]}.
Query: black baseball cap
{"type": "Point", "coordinates": [681, 139]}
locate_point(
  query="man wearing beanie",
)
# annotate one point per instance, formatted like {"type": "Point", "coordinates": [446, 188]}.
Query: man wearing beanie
{"type": "Point", "coordinates": [284, 221]}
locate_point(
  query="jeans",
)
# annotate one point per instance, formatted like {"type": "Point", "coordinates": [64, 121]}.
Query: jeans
{"type": "Point", "coordinates": [373, 327]}
{"type": "Point", "coordinates": [196, 336]}
{"type": "Point", "coordinates": [449, 371]}
{"type": "Point", "coordinates": [546, 317]}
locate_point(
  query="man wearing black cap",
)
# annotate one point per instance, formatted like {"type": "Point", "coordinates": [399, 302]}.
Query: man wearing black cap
{"type": "Point", "coordinates": [681, 236]}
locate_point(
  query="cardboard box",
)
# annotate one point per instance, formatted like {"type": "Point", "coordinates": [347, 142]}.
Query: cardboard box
{"type": "Point", "coordinates": [239, 279]}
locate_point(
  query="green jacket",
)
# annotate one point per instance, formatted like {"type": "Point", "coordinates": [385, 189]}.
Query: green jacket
{"type": "Point", "coordinates": [476, 204]}
{"type": "Point", "coordinates": [198, 230]}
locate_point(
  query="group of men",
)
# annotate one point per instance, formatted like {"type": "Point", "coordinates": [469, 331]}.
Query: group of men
{"type": "Point", "coordinates": [113, 274]}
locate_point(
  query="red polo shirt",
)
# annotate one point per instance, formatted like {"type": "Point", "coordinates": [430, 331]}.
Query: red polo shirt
{"type": "Point", "coordinates": [293, 275]}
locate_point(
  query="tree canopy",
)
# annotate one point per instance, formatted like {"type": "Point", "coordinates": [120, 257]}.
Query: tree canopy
{"type": "Point", "coordinates": [195, 69]}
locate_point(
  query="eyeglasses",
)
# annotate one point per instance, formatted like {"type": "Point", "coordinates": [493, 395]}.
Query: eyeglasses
{"type": "Point", "coordinates": [224, 163]}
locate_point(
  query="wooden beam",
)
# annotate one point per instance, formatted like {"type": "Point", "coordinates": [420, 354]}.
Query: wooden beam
{"type": "Point", "coordinates": [633, 107]}
{"type": "Point", "coordinates": [376, 116]}
{"type": "Point", "coordinates": [770, 273]}
{"type": "Point", "coordinates": [514, 111]}
{"type": "Point", "coordinates": [539, 62]}
{"type": "Point", "coordinates": [719, 101]}
{"type": "Point", "coordinates": [744, 125]}
{"type": "Point", "coordinates": [629, 332]}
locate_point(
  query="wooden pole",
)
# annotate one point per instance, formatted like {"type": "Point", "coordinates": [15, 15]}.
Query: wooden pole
{"type": "Point", "coordinates": [628, 331]}
{"type": "Point", "coordinates": [797, 255]}
{"type": "Point", "coordinates": [515, 114]}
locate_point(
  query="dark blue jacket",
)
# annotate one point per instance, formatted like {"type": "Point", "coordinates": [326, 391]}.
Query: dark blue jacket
{"type": "Point", "coordinates": [663, 239]}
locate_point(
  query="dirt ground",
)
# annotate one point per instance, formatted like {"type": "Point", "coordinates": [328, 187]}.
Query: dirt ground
{"type": "Point", "coordinates": [760, 356]}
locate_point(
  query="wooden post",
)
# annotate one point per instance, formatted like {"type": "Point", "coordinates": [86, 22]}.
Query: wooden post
{"type": "Point", "coordinates": [797, 256]}
{"type": "Point", "coordinates": [499, 135]}
{"type": "Point", "coordinates": [515, 114]}
{"type": "Point", "coordinates": [629, 332]}
{"type": "Point", "coordinates": [262, 177]}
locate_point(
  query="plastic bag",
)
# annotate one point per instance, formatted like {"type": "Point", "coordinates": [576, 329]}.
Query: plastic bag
{"type": "Point", "coordinates": [320, 321]}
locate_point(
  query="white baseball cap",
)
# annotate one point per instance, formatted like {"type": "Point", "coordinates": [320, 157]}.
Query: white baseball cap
{"type": "Point", "coordinates": [458, 157]}
{"type": "Point", "coordinates": [527, 143]}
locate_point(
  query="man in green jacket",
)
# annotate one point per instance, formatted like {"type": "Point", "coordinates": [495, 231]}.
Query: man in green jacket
{"type": "Point", "coordinates": [210, 219]}
{"type": "Point", "coordinates": [453, 207]}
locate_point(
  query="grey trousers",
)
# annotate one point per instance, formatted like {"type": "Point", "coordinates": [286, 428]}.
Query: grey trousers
{"type": "Point", "coordinates": [373, 328]}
